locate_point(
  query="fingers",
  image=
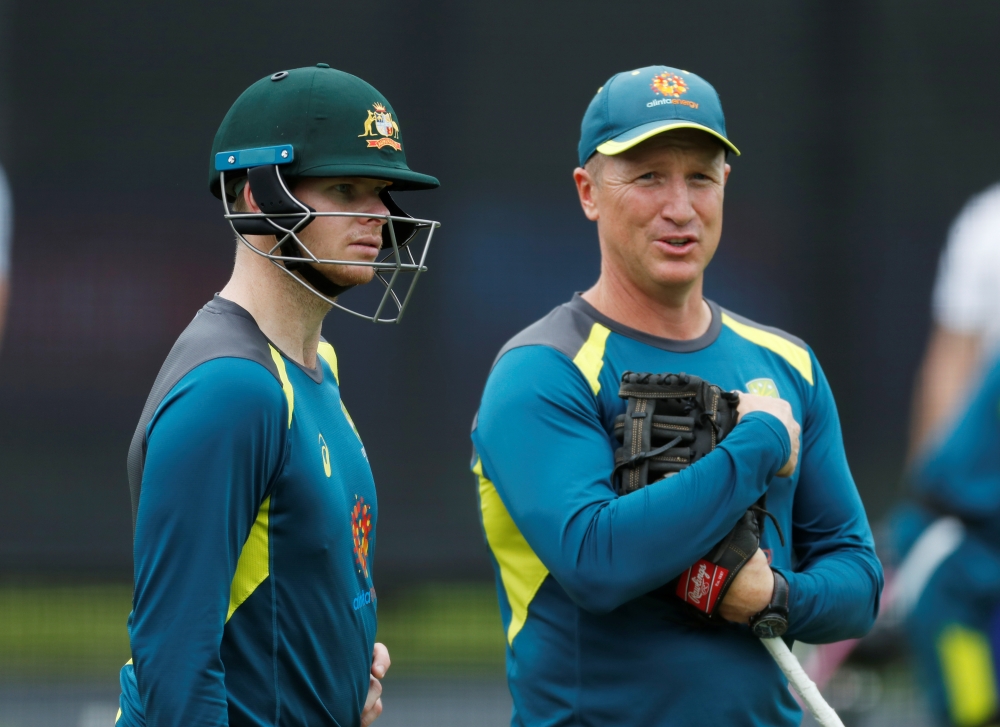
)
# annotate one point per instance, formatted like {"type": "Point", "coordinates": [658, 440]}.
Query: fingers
{"type": "Point", "coordinates": [795, 437]}
{"type": "Point", "coordinates": [370, 715]}
{"type": "Point", "coordinates": [782, 410]}
{"type": "Point", "coordinates": [380, 661]}
{"type": "Point", "coordinates": [373, 704]}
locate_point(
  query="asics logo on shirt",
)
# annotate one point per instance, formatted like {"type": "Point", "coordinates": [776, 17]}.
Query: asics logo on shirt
{"type": "Point", "coordinates": [324, 452]}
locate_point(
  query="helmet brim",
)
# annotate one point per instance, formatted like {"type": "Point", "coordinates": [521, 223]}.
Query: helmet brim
{"type": "Point", "coordinates": [402, 179]}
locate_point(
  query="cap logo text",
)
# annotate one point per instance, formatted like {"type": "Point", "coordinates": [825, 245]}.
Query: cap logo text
{"type": "Point", "coordinates": [386, 129]}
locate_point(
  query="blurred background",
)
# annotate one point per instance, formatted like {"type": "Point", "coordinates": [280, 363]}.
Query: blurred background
{"type": "Point", "coordinates": [864, 127]}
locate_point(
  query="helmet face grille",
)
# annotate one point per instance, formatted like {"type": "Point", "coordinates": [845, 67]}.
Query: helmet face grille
{"type": "Point", "coordinates": [399, 266]}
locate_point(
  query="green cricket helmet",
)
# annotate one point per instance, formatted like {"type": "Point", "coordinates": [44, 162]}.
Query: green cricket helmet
{"type": "Point", "coordinates": [318, 122]}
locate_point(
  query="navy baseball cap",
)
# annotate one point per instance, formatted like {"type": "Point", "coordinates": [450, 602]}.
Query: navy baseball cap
{"type": "Point", "coordinates": [636, 105]}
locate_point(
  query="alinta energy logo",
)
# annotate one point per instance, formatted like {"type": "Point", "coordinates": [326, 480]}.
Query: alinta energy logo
{"type": "Point", "coordinates": [361, 530]}
{"type": "Point", "coordinates": [388, 129]}
{"type": "Point", "coordinates": [671, 87]}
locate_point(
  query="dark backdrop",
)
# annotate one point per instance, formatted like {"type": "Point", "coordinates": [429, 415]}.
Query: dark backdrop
{"type": "Point", "coordinates": [864, 126]}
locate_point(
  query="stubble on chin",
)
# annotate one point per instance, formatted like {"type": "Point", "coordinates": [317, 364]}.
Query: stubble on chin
{"type": "Point", "coordinates": [348, 274]}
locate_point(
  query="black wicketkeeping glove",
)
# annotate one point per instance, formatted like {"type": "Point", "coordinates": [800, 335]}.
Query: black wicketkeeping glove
{"type": "Point", "coordinates": [670, 422]}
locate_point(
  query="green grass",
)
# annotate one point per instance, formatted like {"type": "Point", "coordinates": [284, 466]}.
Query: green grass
{"type": "Point", "coordinates": [450, 628]}
{"type": "Point", "coordinates": [63, 631]}
{"type": "Point", "coordinates": [79, 632]}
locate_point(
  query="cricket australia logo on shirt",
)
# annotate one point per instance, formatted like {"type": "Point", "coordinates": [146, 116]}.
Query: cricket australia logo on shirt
{"type": "Point", "coordinates": [763, 387]}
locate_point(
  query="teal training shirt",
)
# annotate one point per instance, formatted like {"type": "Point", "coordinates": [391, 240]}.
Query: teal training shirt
{"type": "Point", "coordinates": [255, 518]}
{"type": "Point", "coordinates": [574, 561]}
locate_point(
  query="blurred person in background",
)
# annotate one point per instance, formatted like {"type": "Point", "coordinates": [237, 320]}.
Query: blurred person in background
{"type": "Point", "coordinates": [6, 233]}
{"type": "Point", "coordinates": [966, 321]}
{"type": "Point", "coordinates": [951, 535]}
{"type": "Point", "coordinates": [947, 534]}
{"type": "Point", "coordinates": [253, 502]}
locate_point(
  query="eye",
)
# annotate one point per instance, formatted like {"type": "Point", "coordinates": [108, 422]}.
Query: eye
{"type": "Point", "coordinates": [647, 177]}
{"type": "Point", "coordinates": [344, 189]}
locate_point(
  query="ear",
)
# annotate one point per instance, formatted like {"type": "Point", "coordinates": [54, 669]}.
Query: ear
{"type": "Point", "coordinates": [587, 190]}
{"type": "Point", "coordinates": [725, 175]}
{"type": "Point", "coordinates": [248, 200]}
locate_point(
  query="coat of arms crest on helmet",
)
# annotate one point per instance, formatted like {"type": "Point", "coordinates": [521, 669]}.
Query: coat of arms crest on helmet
{"type": "Point", "coordinates": [386, 129]}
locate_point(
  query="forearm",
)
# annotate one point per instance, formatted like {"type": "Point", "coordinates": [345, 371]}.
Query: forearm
{"type": "Point", "coordinates": [609, 550]}
{"type": "Point", "coordinates": [835, 599]}
{"type": "Point", "coordinates": [179, 607]}
{"type": "Point", "coordinates": [835, 588]}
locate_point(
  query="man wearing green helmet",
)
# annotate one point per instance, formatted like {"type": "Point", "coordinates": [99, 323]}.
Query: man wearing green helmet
{"type": "Point", "coordinates": [253, 503]}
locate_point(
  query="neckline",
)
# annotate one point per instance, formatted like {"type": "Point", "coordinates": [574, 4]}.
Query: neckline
{"type": "Point", "coordinates": [667, 344]}
{"type": "Point", "coordinates": [224, 305]}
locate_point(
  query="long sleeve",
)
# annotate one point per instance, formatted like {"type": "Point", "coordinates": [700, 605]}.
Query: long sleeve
{"type": "Point", "coordinates": [542, 444]}
{"type": "Point", "coordinates": [837, 580]}
{"type": "Point", "coordinates": [214, 445]}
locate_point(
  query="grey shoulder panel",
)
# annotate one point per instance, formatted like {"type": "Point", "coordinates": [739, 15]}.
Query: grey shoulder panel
{"type": "Point", "coordinates": [221, 329]}
{"type": "Point", "coordinates": [565, 329]}
{"type": "Point", "coordinates": [776, 331]}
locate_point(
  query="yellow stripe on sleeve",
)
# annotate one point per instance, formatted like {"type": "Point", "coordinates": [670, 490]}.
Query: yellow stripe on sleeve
{"type": "Point", "coordinates": [797, 356]}
{"type": "Point", "coordinates": [286, 385]}
{"type": "Point", "coordinates": [967, 669]}
{"type": "Point", "coordinates": [521, 571]}
{"type": "Point", "coordinates": [326, 351]}
{"type": "Point", "coordinates": [590, 358]}
{"type": "Point", "coordinates": [254, 564]}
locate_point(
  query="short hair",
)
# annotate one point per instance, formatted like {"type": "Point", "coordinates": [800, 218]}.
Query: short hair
{"type": "Point", "coordinates": [239, 204]}
{"type": "Point", "coordinates": [595, 165]}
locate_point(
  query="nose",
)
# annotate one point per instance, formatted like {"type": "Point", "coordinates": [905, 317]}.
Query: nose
{"type": "Point", "coordinates": [377, 207]}
{"type": "Point", "coordinates": [677, 206]}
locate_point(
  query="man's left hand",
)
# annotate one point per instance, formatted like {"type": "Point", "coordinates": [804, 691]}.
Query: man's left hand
{"type": "Point", "coordinates": [380, 665]}
{"type": "Point", "coordinates": [751, 590]}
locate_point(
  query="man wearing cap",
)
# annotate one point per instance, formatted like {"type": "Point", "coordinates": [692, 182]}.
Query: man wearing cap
{"type": "Point", "coordinates": [253, 502]}
{"type": "Point", "coordinates": [575, 562]}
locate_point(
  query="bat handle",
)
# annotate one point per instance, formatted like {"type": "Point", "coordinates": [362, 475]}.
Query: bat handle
{"type": "Point", "coordinates": [802, 684]}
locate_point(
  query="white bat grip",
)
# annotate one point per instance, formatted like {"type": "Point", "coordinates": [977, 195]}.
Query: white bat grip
{"type": "Point", "coordinates": [802, 684]}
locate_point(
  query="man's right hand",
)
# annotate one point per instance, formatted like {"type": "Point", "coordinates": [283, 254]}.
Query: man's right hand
{"type": "Point", "coordinates": [783, 411]}
{"type": "Point", "coordinates": [750, 592]}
